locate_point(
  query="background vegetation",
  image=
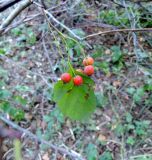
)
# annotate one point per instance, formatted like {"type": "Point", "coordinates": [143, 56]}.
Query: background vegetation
{"type": "Point", "coordinates": [34, 51]}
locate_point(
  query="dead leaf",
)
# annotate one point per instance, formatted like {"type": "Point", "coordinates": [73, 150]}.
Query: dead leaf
{"type": "Point", "coordinates": [116, 83]}
{"type": "Point", "coordinates": [107, 51]}
{"type": "Point", "coordinates": [45, 156]}
{"type": "Point", "coordinates": [102, 137]}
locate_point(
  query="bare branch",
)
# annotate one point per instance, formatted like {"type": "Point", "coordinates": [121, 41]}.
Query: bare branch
{"type": "Point", "coordinates": [4, 4]}
{"type": "Point", "coordinates": [57, 21]}
{"type": "Point", "coordinates": [13, 15]}
{"type": "Point", "coordinates": [21, 22]}
{"type": "Point", "coordinates": [62, 25]}
{"type": "Point", "coordinates": [119, 30]}
{"type": "Point", "coordinates": [68, 152]}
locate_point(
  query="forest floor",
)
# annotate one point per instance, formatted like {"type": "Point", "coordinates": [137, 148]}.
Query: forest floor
{"type": "Point", "coordinates": [32, 58]}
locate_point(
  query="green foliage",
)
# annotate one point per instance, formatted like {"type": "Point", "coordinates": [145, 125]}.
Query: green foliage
{"type": "Point", "coordinates": [79, 32]}
{"type": "Point", "coordinates": [141, 127]}
{"type": "Point", "coordinates": [136, 93]}
{"type": "Point", "coordinates": [74, 48]}
{"type": "Point", "coordinates": [110, 62]}
{"type": "Point", "coordinates": [132, 129]}
{"type": "Point", "coordinates": [54, 121]}
{"type": "Point", "coordinates": [101, 99]}
{"type": "Point", "coordinates": [25, 34]}
{"type": "Point", "coordinates": [2, 51]}
{"type": "Point", "coordinates": [9, 103]}
{"type": "Point", "coordinates": [16, 31]}
{"type": "Point", "coordinates": [76, 102]}
{"type": "Point", "coordinates": [130, 140]}
{"type": "Point", "coordinates": [91, 152]}
{"type": "Point", "coordinates": [116, 54]}
{"type": "Point", "coordinates": [15, 113]}
{"type": "Point", "coordinates": [104, 66]}
{"type": "Point", "coordinates": [117, 59]}
{"type": "Point", "coordinates": [114, 18]}
{"type": "Point", "coordinates": [141, 54]}
{"type": "Point", "coordinates": [106, 156]}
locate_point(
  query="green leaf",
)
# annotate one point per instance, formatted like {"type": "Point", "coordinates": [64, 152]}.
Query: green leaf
{"type": "Point", "coordinates": [23, 88]}
{"type": "Point", "coordinates": [20, 100]}
{"type": "Point", "coordinates": [75, 102]}
{"type": "Point", "coordinates": [116, 54]}
{"type": "Point", "coordinates": [2, 51]}
{"type": "Point", "coordinates": [3, 72]}
{"type": "Point", "coordinates": [106, 156]}
{"type": "Point", "coordinates": [148, 87]}
{"type": "Point", "coordinates": [141, 127]}
{"type": "Point", "coordinates": [16, 31]}
{"type": "Point", "coordinates": [70, 43]}
{"type": "Point", "coordinates": [129, 117]}
{"type": "Point", "coordinates": [4, 94]}
{"type": "Point", "coordinates": [5, 106]}
{"type": "Point", "coordinates": [130, 140]}
{"type": "Point", "coordinates": [79, 32]}
{"type": "Point", "coordinates": [138, 94]}
{"type": "Point", "coordinates": [141, 54]}
{"type": "Point", "coordinates": [60, 89]}
{"type": "Point", "coordinates": [78, 49]}
{"type": "Point", "coordinates": [78, 103]}
{"type": "Point", "coordinates": [119, 130]}
{"type": "Point", "coordinates": [16, 113]}
{"type": "Point", "coordinates": [131, 90]}
{"type": "Point", "coordinates": [104, 66]}
{"type": "Point", "coordinates": [101, 99]}
{"type": "Point", "coordinates": [91, 152]}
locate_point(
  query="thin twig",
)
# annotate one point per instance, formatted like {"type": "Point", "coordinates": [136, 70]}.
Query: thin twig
{"type": "Point", "coordinates": [119, 30]}
{"type": "Point", "coordinates": [46, 53]}
{"type": "Point", "coordinates": [68, 152]}
{"type": "Point", "coordinates": [56, 21]}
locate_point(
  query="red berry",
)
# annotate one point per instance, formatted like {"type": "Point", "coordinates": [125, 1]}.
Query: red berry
{"type": "Point", "coordinates": [77, 80]}
{"type": "Point", "coordinates": [66, 77]}
{"type": "Point", "coordinates": [89, 70]}
{"type": "Point", "coordinates": [88, 61]}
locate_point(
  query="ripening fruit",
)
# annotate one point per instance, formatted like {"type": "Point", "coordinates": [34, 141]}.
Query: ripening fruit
{"type": "Point", "coordinates": [89, 70]}
{"type": "Point", "coordinates": [79, 70]}
{"type": "Point", "coordinates": [66, 77]}
{"type": "Point", "coordinates": [77, 80]}
{"type": "Point", "coordinates": [88, 61]}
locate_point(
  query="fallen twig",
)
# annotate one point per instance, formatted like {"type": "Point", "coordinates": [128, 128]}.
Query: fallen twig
{"type": "Point", "coordinates": [118, 30]}
{"type": "Point", "coordinates": [4, 4]}
{"type": "Point", "coordinates": [67, 152]}
{"type": "Point", "coordinates": [13, 15]}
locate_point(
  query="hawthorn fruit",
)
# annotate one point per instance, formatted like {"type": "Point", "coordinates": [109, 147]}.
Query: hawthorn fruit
{"type": "Point", "coordinates": [89, 70]}
{"type": "Point", "coordinates": [88, 61]}
{"type": "Point", "coordinates": [66, 77]}
{"type": "Point", "coordinates": [77, 80]}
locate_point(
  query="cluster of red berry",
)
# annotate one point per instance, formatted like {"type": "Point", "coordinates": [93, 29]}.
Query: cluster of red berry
{"type": "Point", "coordinates": [78, 80]}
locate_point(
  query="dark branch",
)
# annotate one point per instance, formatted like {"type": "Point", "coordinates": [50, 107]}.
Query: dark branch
{"type": "Point", "coordinates": [4, 4]}
{"type": "Point", "coordinates": [14, 14]}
